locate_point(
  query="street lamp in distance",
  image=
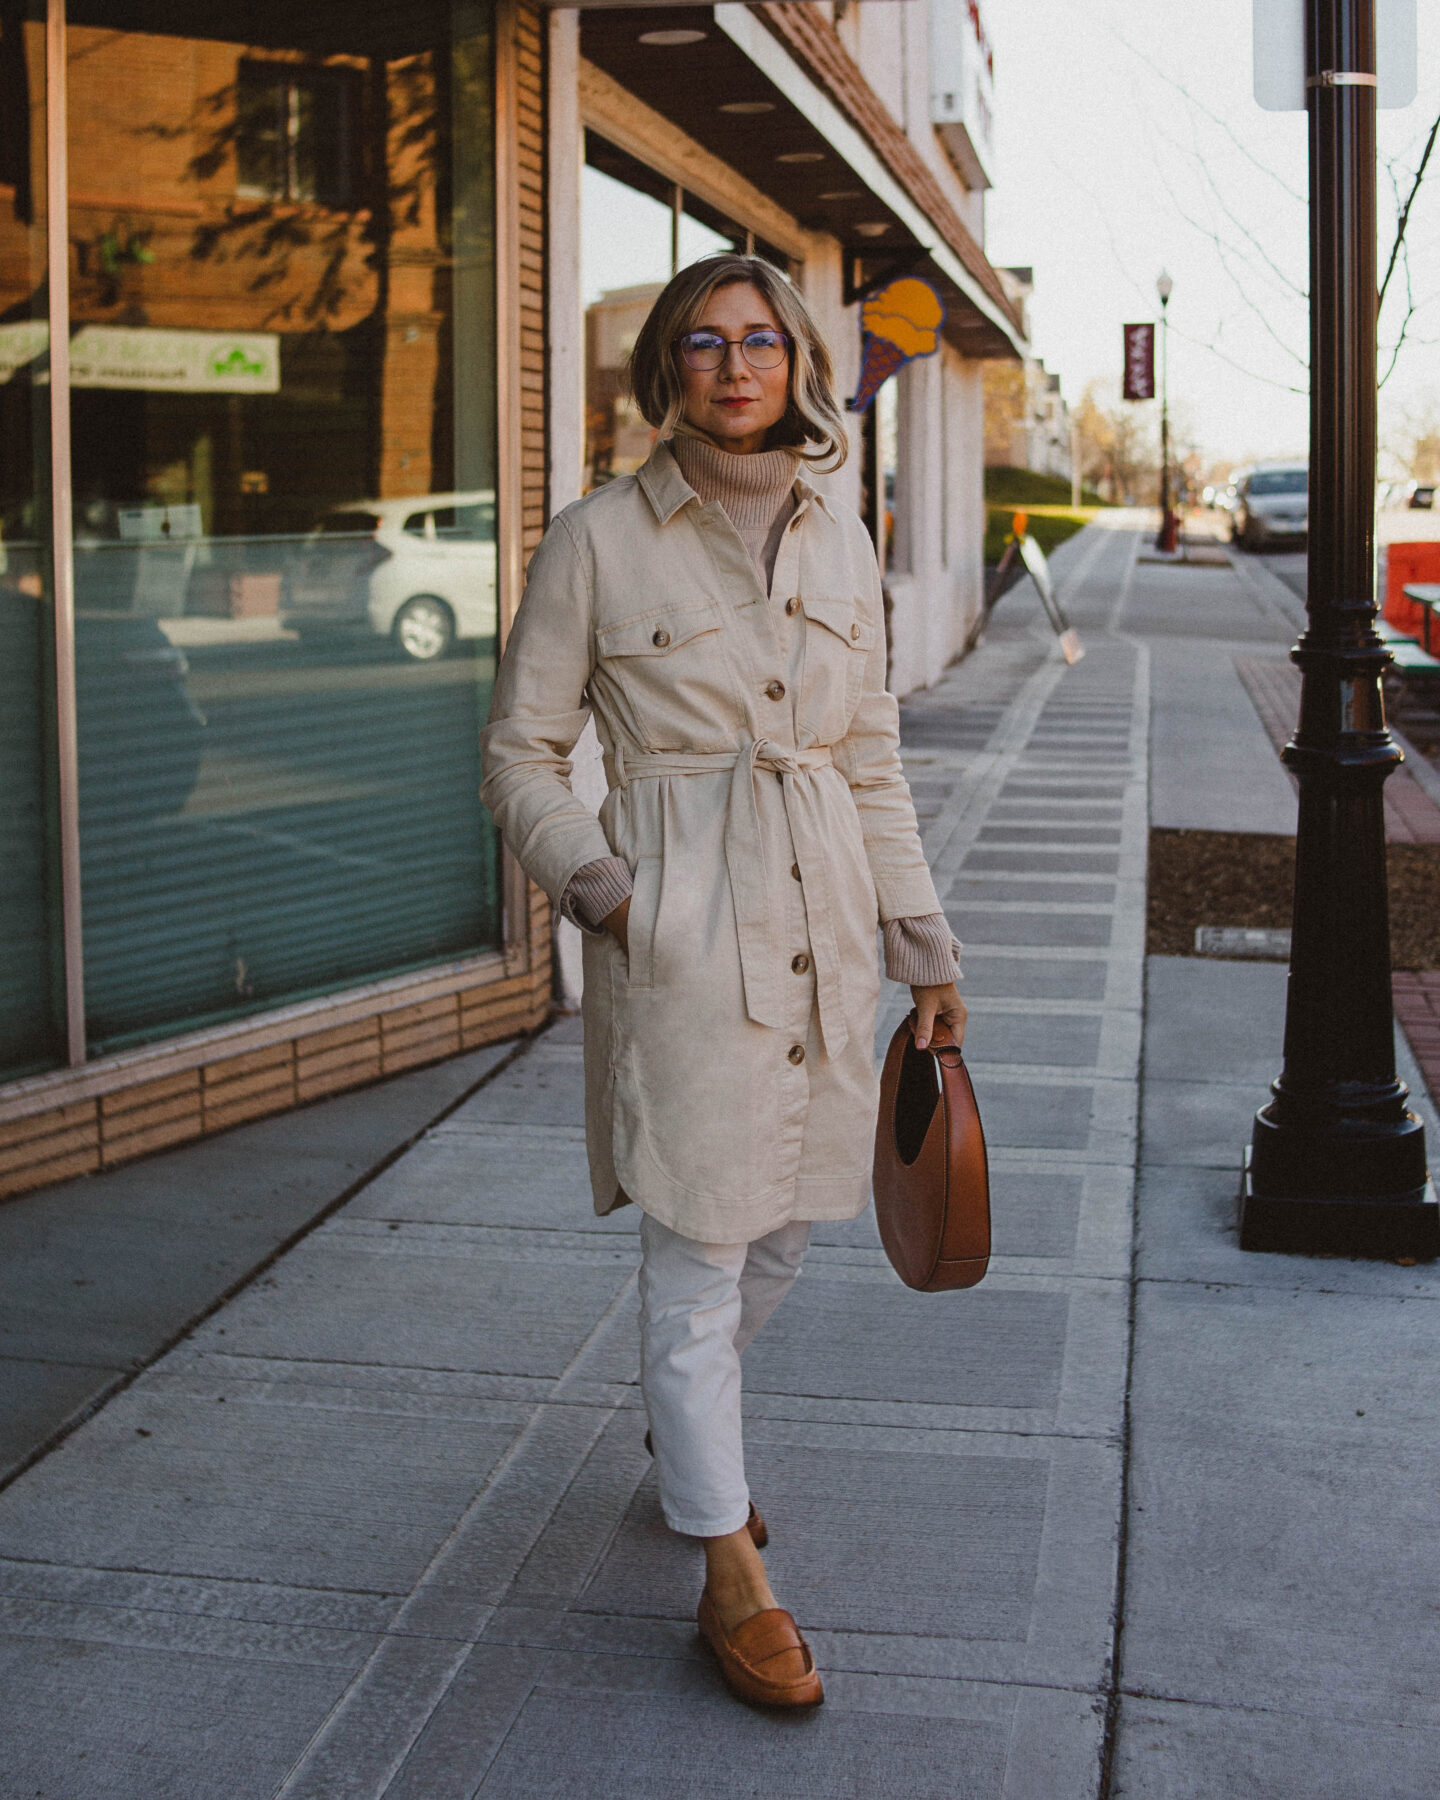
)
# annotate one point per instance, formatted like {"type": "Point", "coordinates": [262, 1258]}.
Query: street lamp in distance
{"type": "Point", "coordinates": [1169, 538]}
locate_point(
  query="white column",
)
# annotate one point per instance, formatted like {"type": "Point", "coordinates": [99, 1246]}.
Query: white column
{"type": "Point", "coordinates": [965, 478]}
{"type": "Point", "coordinates": [822, 283]}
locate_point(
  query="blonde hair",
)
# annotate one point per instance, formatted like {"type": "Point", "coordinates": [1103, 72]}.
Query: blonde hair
{"type": "Point", "coordinates": [812, 421]}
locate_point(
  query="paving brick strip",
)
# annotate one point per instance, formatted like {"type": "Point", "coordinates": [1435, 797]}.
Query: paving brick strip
{"type": "Point", "coordinates": [1412, 816]}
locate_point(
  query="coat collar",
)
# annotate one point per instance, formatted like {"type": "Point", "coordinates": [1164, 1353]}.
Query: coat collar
{"type": "Point", "coordinates": [667, 490]}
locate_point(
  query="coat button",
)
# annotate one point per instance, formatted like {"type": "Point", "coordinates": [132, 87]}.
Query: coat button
{"type": "Point", "coordinates": [800, 963]}
{"type": "Point", "coordinates": [854, 631]}
{"type": "Point", "coordinates": [792, 605]}
{"type": "Point", "coordinates": [795, 870]}
{"type": "Point", "coordinates": [796, 1053]}
{"type": "Point", "coordinates": [776, 690]}
{"type": "Point", "coordinates": [795, 522]}
{"type": "Point", "coordinates": [661, 638]}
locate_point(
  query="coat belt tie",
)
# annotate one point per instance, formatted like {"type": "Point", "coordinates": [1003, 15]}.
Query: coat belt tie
{"type": "Point", "coordinates": [763, 961]}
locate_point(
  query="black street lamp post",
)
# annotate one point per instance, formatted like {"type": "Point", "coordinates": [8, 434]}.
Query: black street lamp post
{"type": "Point", "coordinates": [1169, 537]}
{"type": "Point", "coordinates": [1337, 1159]}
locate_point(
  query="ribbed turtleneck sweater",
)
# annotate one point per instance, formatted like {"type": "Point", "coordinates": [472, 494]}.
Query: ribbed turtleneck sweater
{"type": "Point", "coordinates": [756, 491]}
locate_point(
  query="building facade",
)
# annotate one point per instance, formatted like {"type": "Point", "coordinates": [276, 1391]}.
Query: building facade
{"type": "Point", "coordinates": [307, 326]}
{"type": "Point", "coordinates": [1027, 421]}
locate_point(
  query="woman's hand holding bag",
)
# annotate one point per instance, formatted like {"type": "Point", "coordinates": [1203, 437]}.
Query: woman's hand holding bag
{"type": "Point", "coordinates": [943, 1003]}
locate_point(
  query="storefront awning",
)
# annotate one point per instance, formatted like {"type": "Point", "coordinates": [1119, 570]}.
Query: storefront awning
{"type": "Point", "coordinates": [772, 92]}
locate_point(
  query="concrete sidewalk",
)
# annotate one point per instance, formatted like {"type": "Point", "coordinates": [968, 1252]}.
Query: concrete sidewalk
{"type": "Point", "coordinates": [382, 1524]}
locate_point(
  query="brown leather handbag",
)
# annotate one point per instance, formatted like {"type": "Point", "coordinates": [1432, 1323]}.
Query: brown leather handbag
{"type": "Point", "coordinates": [932, 1178]}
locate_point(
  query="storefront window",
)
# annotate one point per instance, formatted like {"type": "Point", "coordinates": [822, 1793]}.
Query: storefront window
{"type": "Point", "coordinates": [282, 351]}
{"type": "Point", "coordinates": [637, 228]}
{"type": "Point", "coordinates": [31, 976]}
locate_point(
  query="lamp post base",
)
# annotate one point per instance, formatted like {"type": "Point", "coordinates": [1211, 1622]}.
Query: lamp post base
{"type": "Point", "coordinates": [1382, 1228]}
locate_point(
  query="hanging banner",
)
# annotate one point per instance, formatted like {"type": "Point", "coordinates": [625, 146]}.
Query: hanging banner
{"type": "Point", "coordinates": [1140, 362]}
{"type": "Point", "coordinates": [899, 323]}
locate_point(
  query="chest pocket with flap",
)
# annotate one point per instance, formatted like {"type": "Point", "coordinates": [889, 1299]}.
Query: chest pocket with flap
{"type": "Point", "coordinates": [657, 634]}
{"type": "Point", "coordinates": [838, 637]}
{"type": "Point", "coordinates": [668, 676]}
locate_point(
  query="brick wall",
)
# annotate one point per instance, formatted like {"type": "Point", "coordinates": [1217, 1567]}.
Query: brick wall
{"type": "Point", "coordinates": [530, 166]}
{"type": "Point", "coordinates": [103, 1130]}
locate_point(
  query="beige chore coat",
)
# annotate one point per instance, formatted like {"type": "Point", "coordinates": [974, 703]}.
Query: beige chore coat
{"type": "Point", "coordinates": [756, 792]}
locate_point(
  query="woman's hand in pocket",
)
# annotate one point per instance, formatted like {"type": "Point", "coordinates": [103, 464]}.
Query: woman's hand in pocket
{"type": "Point", "coordinates": [933, 1003]}
{"type": "Point", "coordinates": [617, 924]}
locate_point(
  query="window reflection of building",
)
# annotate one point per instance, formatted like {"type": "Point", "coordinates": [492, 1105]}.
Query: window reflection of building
{"type": "Point", "coordinates": [282, 304]}
{"type": "Point", "coordinates": [617, 439]}
{"type": "Point", "coordinates": [296, 131]}
{"type": "Point", "coordinates": [320, 197]}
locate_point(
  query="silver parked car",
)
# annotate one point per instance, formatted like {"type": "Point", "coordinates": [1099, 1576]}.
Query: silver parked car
{"type": "Point", "coordinates": [1272, 504]}
{"type": "Point", "coordinates": [419, 571]}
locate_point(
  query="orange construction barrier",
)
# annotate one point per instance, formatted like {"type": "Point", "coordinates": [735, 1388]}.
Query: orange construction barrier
{"type": "Point", "coordinates": [1407, 563]}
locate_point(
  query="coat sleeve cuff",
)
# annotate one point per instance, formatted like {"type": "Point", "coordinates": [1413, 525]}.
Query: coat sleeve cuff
{"type": "Point", "coordinates": [594, 892]}
{"type": "Point", "coordinates": [921, 952]}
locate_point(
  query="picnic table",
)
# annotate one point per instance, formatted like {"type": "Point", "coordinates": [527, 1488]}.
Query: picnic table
{"type": "Point", "coordinates": [1426, 595]}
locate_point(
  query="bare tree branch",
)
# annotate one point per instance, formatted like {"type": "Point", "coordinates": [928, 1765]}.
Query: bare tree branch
{"type": "Point", "coordinates": [1404, 253]}
{"type": "Point", "coordinates": [1224, 252]}
{"type": "Point", "coordinates": [1404, 218]}
{"type": "Point", "coordinates": [1213, 349]}
{"type": "Point", "coordinates": [1215, 118]}
{"type": "Point", "coordinates": [1301, 293]}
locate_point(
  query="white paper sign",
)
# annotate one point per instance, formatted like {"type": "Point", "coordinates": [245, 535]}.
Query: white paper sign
{"type": "Point", "coordinates": [1280, 53]}
{"type": "Point", "coordinates": [21, 343]}
{"type": "Point", "coordinates": [159, 524]}
{"type": "Point", "coordinates": [185, 362]}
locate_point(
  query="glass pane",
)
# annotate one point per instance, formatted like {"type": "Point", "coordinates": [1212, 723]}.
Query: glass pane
{"type": "Point", "coordinates": [625, 248]}
{"type": "Point", "coordinates": [31, 1010]}
{"type": "Point", "coordinates": [283, 352]}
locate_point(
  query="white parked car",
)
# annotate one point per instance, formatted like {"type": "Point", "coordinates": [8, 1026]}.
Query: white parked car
{"type": "Point", "coordinates": [419, 571]}
{"type": "Point", "coordinates": [1273, 503]}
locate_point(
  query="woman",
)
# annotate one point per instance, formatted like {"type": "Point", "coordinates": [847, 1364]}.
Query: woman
{"type": "Point", "coordinates": [723, 623]}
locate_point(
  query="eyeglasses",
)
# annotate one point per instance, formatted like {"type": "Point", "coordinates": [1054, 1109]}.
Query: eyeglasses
{"type": "Point", "coordinates": [761, 349]}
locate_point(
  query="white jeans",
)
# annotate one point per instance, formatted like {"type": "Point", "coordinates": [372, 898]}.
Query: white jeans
{"type": "Point", "coordinates": [700, 1305]}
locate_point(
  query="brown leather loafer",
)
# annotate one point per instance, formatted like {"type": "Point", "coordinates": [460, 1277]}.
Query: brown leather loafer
{"type": "Point", "coordinates": [764, 1660]}
{"type": "Point", "coordinates": [755, 1525]}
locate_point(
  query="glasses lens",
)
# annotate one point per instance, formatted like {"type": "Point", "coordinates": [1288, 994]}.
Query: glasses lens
{"type": "Point", "coordinates": [703, 349]}
{"type": "Point", "coordinates": [764, 349]}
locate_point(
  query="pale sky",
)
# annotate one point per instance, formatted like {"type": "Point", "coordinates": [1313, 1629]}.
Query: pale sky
{"type": "Point", "coordinates": [1106, 172]}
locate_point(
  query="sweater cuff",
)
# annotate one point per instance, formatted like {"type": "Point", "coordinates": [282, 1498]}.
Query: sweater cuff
{"type": "Point", "coordinates": [921, 952]}
{"type": "Point", "coordinates": [594, 891]}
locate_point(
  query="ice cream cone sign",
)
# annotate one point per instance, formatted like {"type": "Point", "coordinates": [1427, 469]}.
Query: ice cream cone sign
{"type": "Point", "coordinates": [900, 323]}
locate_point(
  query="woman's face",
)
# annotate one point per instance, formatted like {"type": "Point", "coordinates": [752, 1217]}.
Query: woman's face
{"type": "Point", "coordinates": [735, 404]}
